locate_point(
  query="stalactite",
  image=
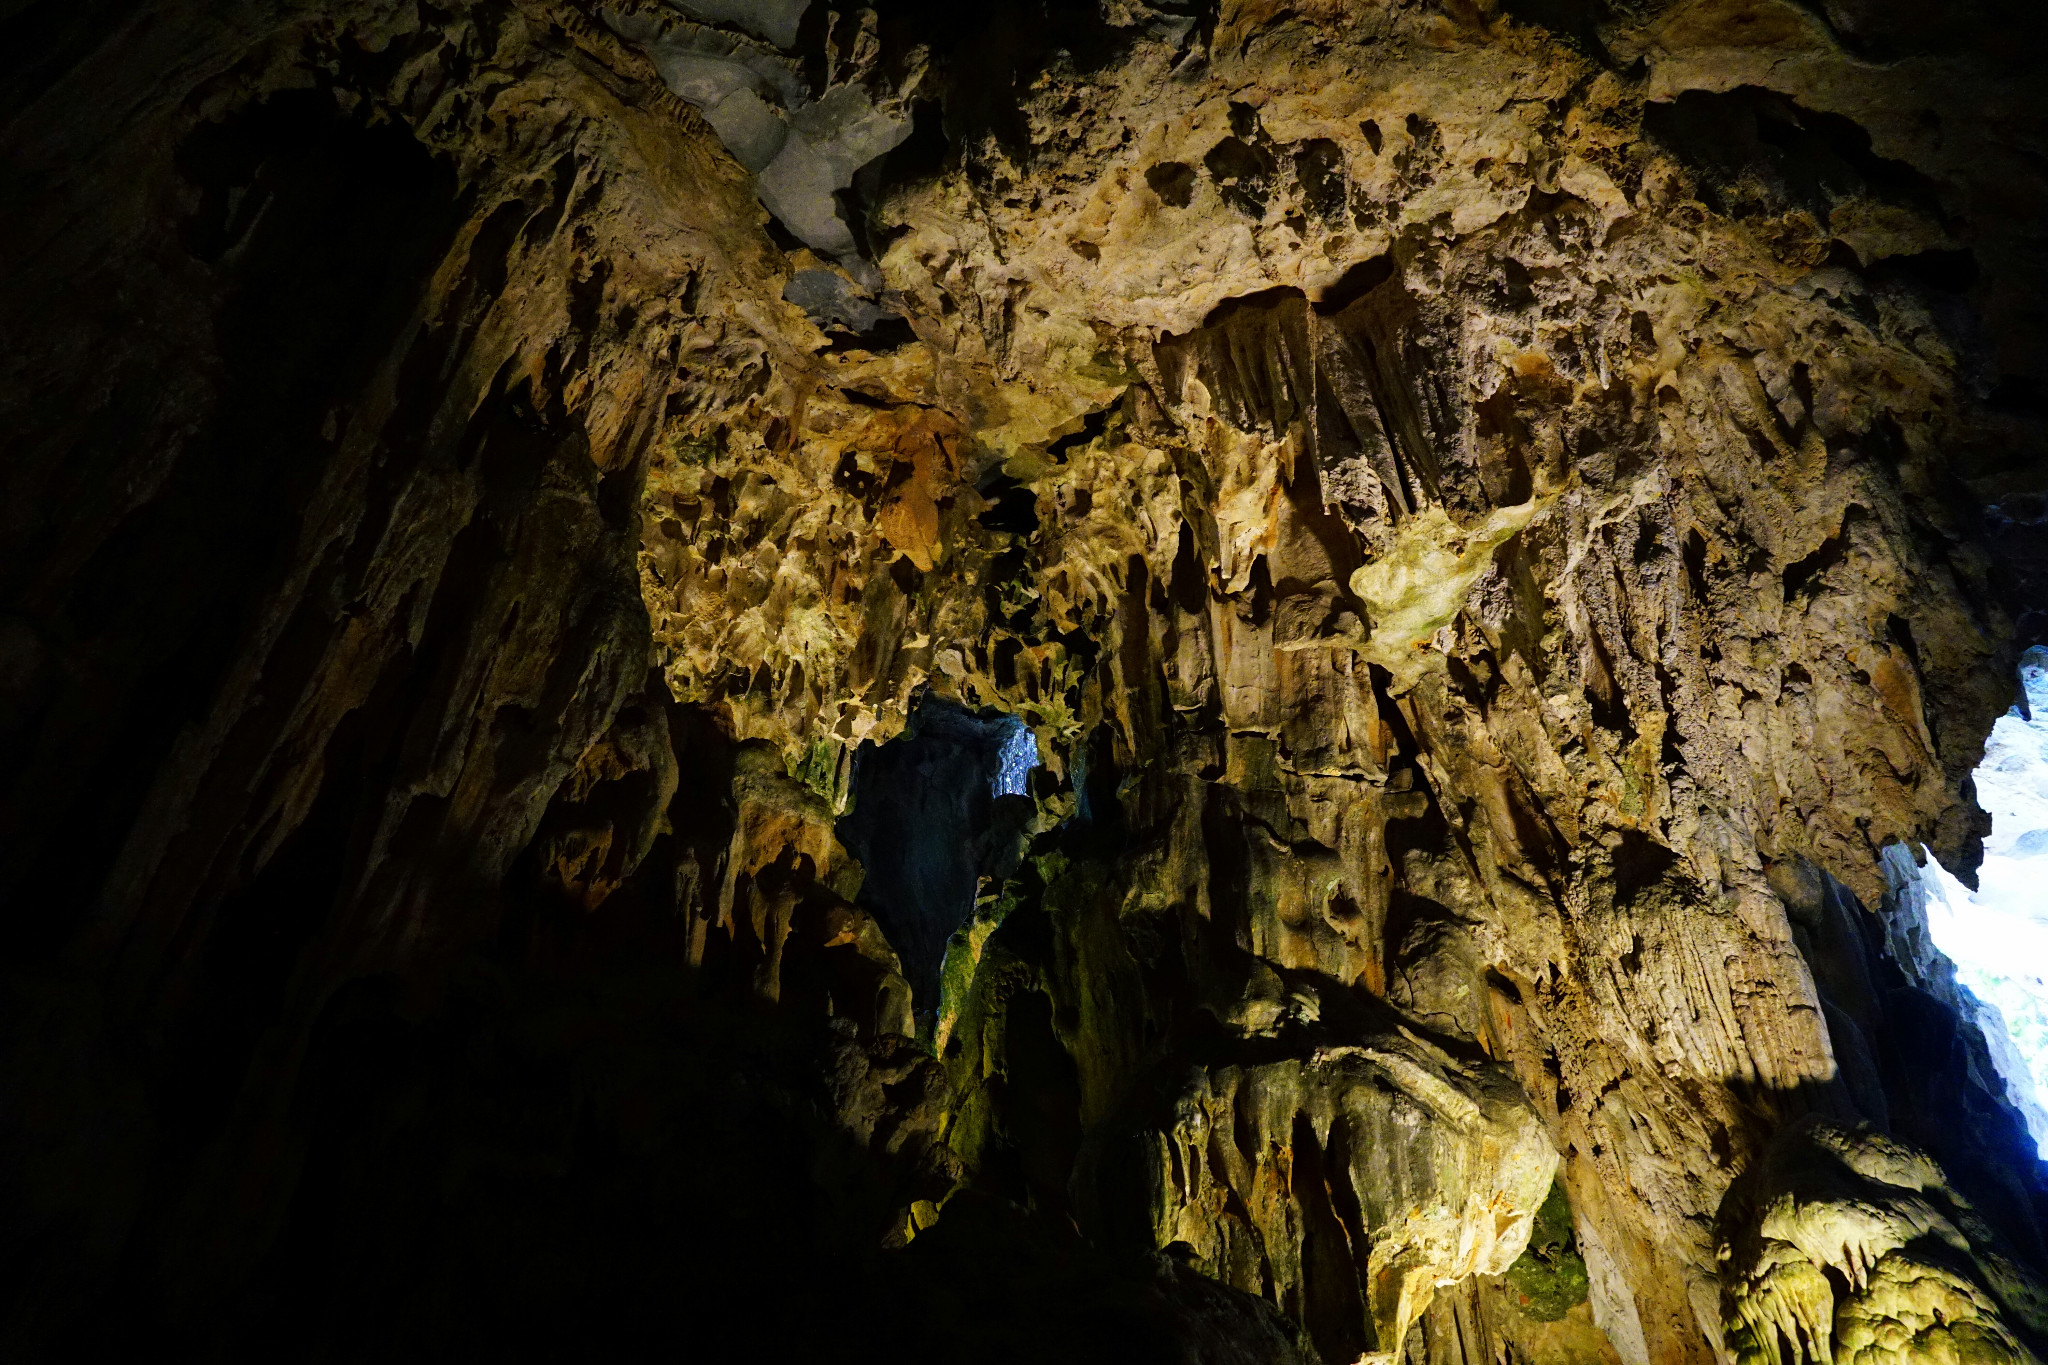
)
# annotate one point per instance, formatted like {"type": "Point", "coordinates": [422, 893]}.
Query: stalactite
{"type": "Point", "coordinates": [1228, 682]}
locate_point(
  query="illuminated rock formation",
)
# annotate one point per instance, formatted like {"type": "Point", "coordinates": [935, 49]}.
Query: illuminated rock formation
{"type": "Point", "coordinates": [542, 539]}
{"type": "Point", "coordinates": [1851, 1247]}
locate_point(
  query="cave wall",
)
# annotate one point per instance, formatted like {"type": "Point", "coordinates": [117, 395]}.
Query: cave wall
{"type": "Point", "coordinates": [1496, 519]}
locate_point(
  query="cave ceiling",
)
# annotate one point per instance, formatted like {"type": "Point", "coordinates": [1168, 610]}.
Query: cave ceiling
{"type": "Point", "coordinates": [1257, 681]}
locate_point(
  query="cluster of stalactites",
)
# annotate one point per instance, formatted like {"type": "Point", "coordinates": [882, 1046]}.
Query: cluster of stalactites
{"type": "Point", "coordinates": [1850, 1249]}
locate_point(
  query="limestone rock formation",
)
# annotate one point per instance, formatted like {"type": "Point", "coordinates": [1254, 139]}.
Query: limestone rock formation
{"type": "Point", "coordinates": [1127, 679]}
{"type": "Point", "coordinates": [1850, 1246]}
{"type": "Point", "coordinates": [1401, 1172]}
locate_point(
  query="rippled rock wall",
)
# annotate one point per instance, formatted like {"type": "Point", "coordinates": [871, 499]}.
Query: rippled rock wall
{"type": "Point", "coordinates": [1494, 520]}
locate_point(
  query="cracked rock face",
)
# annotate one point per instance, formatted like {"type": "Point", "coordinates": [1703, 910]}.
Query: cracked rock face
{"type": "Point", "coordinates": [1133, 681]}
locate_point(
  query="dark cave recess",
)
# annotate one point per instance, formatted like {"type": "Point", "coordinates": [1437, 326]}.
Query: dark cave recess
{"type": "Point", "coordinates": [927, 826]}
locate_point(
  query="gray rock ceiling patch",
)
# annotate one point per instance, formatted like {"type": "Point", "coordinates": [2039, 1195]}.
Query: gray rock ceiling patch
{"type": "Point", "coordinates": [802, 151]}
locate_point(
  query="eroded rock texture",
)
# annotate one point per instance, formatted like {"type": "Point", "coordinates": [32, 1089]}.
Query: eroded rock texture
{"type": "Point", "coordinates": [532, 529]}
{"type": "Point", "coordinates": [1849, 1246]}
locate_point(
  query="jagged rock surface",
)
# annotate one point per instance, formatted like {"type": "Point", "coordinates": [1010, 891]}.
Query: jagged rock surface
{"type": "Point", "coordinates": [1849, 1246]}
{"type": "Point", "coordinates": [1494, 521]}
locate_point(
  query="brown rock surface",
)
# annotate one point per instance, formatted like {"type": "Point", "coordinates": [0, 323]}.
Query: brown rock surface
{"type": "Point", "coordinates": [1492, 518]}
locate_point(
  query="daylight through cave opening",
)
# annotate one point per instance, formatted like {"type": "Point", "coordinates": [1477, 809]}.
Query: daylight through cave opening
{"type": "Point", "coordinates": [1997, 935]}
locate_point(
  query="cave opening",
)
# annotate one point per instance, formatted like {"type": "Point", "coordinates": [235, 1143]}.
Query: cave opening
{"type": "Point", "coordinates": [935, 811]}
{"type": "Point", "coordinates": [1997, 935]}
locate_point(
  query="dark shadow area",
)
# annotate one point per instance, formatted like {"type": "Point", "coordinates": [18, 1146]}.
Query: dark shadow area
{"type": "Point", "coordinates": [583, 1148]}
{"type": "Point", "coordinates": [577, 1146]}
{"type": "Point", "coordinates": [554, 1164]}
{"type": "Point", "coordinates": [1909, 1064]}
{"type": "Point", "coordinates": [1575, 21]}
{"type": "Point", "coordinates": [985, 54]}
{"type": "Point", "coordinates": [301, 213]}
{"type": "Point", "coordinates": [1756, 151]}
{"type": "Point", "coordinates": [927, 825]}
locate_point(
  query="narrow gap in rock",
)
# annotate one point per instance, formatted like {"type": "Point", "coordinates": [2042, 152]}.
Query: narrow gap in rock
{"type": "Point", "coordinates": [934, 812]}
